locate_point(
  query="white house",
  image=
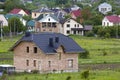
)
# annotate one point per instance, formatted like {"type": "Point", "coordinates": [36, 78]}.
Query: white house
{"type": "Point", "coordinates": [111, 20]}
{"type": "Point", "coordinates": [104, 8]}
{"type": "Point", "coordinates": [70, 26]}
{"type": "Point", "coordinates": [3, 19]}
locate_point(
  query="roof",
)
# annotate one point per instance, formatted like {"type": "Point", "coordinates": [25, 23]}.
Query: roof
{"type": "Point", "coordinates": [16, 11]}
{"type": "Point", "coordinates": [31, 23]}
{"type": "Point", "coordinates": [6, 65]}
{"type": "Point", "coordinates": [7, 16]}
{"type": "Point", "coordinates": [39, 17]}
{"type": "Point", "coordinates": [88, 27]}
{"type": "Point", "coordinates": [77, 13]}
{"type": "Point", "coordinates": [42, 41]}
{"type": "Point", "coordinates": [105, 5]}
{"type": "Point", "coordinates": [43, 9]}
{"type": "Point", "coordinates": [113, 18]}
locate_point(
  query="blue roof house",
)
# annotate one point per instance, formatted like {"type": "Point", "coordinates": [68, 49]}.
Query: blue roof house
{"type": "Point", "coordinates": [46, 52]}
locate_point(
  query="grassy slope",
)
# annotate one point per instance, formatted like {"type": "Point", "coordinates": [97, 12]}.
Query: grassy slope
{"type": "Point", "coordinates": [94, 75]}
{"type": "Point", "coordinates": [97, 47]}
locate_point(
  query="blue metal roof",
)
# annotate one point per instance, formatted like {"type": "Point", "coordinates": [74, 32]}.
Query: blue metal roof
{"type": "Point", "coordinates": [31, 23]}
{"type": "Point", "coordinates": [42, 41]}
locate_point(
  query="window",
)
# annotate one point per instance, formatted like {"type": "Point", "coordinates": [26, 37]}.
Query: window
{"type": "Point", "coordinates": [68, 32]}
{"type": "Point", "coordinates": [27, 62]}
{"type": "Point", "coordinates": [49, 63]}
{"type": "Point", "coordinates": [35, 49]}
{"type": "Point", "coordinates": [34, 63]}
{"type": "Point", "coordinates": [70, 63]}
{"type": "Point", "coordinates": [27, 49]}
{"type": "Point", "coordinates": [49, 19]}
{"type": "Point", "coordinates": [75, 25]}
{"type": "Point", "coordinates": [35, 14]}
{"type": "Point", "coordinates": [68, 21]}
{"type": "Point", "coordinates": [78, 25]}
{"type": "Point", "coordinates": [68, 25]}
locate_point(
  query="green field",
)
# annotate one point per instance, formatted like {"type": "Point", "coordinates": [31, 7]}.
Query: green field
{"type": "Point", "coordinates": [93, 75]}
{"type": "Point", "coordinates": [101, 50]}
{"type": "Point", "coordinates": [96, 47]}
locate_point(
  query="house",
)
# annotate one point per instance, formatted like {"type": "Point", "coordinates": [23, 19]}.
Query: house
{"type": "Point", "coordinates": [46, 52]}
{"type": "Point", "coordinates": [75, 13]}
{"type": "Point", "coordinates": [8, 16]}
{"type": "Point", "coordinates": [43, 10]}
{"type": "Point", "coordinates": [3, 19]}
{"type": "Point", "coordinates": [20, 12]}
{"type": "Point", "coordinates": [104, 8]}
{"type": "Point", "coordinates": [31, 25]}
{"type": "Point", "coordinates": [111, 20]}
{"type": "Point", "coordinates": [47, 23]}
{"type": "Point", "coordinates": [71, 26]}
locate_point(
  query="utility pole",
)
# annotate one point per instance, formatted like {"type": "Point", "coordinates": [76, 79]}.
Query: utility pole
{"type": "Point", "coordinates": [1, 30]}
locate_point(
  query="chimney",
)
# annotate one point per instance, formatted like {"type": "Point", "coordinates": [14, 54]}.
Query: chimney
{"type": "Point", "coordinates": [51, 42]}
{"type": "Point", "coordinates": [57, 39]}
{"type": "Point", "coordinates": [27, 34]}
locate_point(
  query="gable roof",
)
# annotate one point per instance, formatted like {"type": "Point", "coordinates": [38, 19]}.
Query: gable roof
{"type": "Point", "coordinates": [76, 13]}
{"type": "Point", "coordinates": [104, 5]}
{"type": "Point", "coordinates": [16, 11]}
{"type": "Point", "coordinates": [113, 18]}
{"type": "Point", "coordinates": [42, 41]}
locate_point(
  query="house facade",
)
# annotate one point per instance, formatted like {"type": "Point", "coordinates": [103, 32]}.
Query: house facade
{"type": "Point", "coordinates": [46, 52]}
{"type": "Point", "coordinates": [38, 12]}
{"type": "Point", "coordinates": [111, 20]}
{"type": "Point", "coordinates": [47, 23]}
{"type": "Point", "coordinates": [3, 19]}
{"type": "Point", "coordinates": [71, 26]}
{"type": "Point", "coordinates": [104, 8]}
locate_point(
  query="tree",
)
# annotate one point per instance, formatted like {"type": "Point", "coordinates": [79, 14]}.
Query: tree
{"type": "Point", "coordinates": [11, 4]}
{"type": "Point", "coordinates": [15, 25]}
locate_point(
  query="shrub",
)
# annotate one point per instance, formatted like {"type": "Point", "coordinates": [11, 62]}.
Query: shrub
{"type": "Point", "coordinates": [68, 78]}
{"type": "Point", "coordinates": [89, 34]}
{"type": "Point", "coordinates": [35, 71]}
{"type": "Point", "coordinates": [104, 53]}
{"type": "Point", "coordinates": [107, 35]}
{"type": "Point", "coordinates": [85, 74]}
{"type": "Point", "coordinates": [84, 54]}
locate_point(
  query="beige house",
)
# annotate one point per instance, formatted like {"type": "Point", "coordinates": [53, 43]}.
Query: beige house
{"type": "Point", "coordinates": [38, 12]}
{"type": "Point", "coordinates": [47, 23]}
{"type": "Point", "coordinates": [46, 52]}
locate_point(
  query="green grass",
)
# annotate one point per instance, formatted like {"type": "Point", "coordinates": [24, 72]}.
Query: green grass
{"type": "Point", "coordinates": [97, 47]}
{"type": "Point", "coordinates": [94, 75]}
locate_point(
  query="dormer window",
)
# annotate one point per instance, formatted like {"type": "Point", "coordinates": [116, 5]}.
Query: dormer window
{"type": "Point", "coordinates": [49, 19]}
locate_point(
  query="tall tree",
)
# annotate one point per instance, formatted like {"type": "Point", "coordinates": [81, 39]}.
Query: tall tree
{"type": "Point", "coordinates": [15, 25]}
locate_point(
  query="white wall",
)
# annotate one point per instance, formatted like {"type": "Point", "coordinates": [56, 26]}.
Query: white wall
{"type": "Point", "coordinates": [72, 25]}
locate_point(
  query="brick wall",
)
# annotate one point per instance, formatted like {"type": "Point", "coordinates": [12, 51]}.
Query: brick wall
{"type": "Point", "coordinates": [44, 62]}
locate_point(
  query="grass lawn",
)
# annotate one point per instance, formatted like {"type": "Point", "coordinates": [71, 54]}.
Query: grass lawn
{"type": "Point", "coordinates": [93, 75]}
{"type": "Point", "coordinates": [101, 50]}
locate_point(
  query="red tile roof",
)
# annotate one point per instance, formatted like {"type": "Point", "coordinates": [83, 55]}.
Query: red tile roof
{"type": "Point", "coordinates": [76, 13]}
{"type": "Point", "coordinates": [113, 18]}
{"type": "Point", "coordinates": [16, 11]}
